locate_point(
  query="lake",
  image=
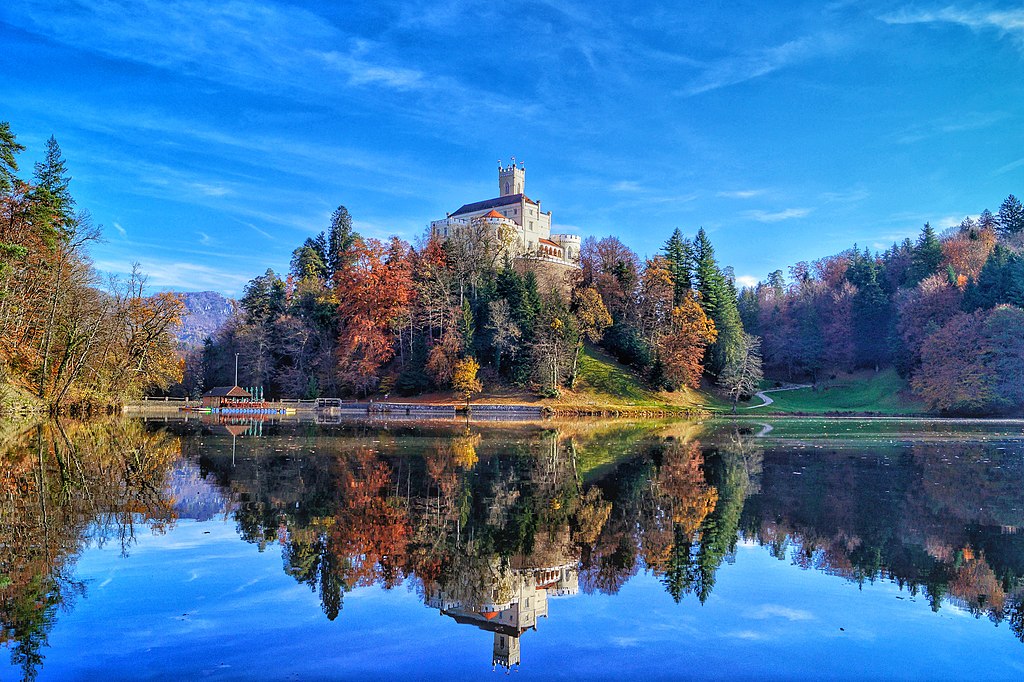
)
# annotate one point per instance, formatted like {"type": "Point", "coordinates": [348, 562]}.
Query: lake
{"type": "Point", "coordinates": [282, 550]}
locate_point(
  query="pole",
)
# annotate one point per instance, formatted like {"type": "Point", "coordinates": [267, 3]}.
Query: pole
{"type": "Point", "coordinates": [236, 369]}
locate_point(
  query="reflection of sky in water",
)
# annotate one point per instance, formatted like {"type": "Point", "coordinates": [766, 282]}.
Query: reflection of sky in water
{"type": "Point", "coordinates": [199, 603]}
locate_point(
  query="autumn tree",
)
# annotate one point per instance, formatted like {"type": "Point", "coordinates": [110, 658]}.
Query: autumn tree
{"type": "Point", "coordinates": [374, 292]}
{"type": "Point", "coordinates": [986, 380]}
{"type": "Point", "coordinates": [592, 319]}
{"type": "Point", "coordinates": [681, 351]}
{"type": "Point", "coordinates": [464, 379]}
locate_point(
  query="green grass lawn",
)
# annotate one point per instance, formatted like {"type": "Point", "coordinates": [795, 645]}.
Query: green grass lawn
{"type": "Point", "coordinates": [604, 380]}
{"type": "Point", "coordinates": [882, 393]}
{"type": "Point", "coordinates": [609, 381]}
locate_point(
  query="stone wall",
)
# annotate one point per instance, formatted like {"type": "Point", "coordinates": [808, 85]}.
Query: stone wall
{"type": "Point", "coordinates": [550, 274]}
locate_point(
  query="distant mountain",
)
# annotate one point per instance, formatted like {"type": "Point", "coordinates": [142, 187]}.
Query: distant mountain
{"type": "Point", "coordinates": [205, 313]}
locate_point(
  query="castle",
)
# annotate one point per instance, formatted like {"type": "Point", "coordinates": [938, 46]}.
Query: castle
{"type": "Point", "coordinates": [515, 220]}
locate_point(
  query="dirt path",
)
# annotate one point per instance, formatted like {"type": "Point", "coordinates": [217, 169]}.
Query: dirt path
{"type": "Point", "coordinates": [769, 401]}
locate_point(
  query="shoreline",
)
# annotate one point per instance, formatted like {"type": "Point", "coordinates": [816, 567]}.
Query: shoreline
{"type": "Point", "coordinates": [540, 412]}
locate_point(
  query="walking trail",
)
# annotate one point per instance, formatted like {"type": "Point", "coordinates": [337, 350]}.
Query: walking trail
{"type": "Point", "coordinates": [769, 401]}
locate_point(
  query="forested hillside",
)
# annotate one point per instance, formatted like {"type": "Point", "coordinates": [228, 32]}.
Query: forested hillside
{"type": "Point", "coordinates": [944, 310]}
{"type": "Point", "coordinates": [354, 316]}
{"type": "Point", "coordinates": [67, 338]}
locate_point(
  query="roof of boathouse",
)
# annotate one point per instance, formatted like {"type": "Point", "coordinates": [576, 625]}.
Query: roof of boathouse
{"type": "Point", "coordinates": [227, 392]}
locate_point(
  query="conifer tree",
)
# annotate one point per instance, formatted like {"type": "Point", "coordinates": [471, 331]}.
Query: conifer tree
{"type": "Point", "coordinates": [987, 221]}
{"type": "Point", "coordinates": [340, 241]}
{"type": "Point", "coordinates": [1011, 216]}
{"type": "Point", "coordinates": [51, 187]}
{"type": "Point", "coordinates": [679, 254]}
{"type": "Point", "coordinates": [9, 149]}
{"type": "Point", "coordinates": [927, 255]}
{"type": "Point", "coordinates": [719, 302]}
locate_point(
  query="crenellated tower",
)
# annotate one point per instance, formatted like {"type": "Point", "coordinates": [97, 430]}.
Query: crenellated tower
{"type": "Point", "coordinates": [511, 179]}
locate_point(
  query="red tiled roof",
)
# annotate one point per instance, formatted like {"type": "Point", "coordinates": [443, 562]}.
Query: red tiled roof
{"type": "Point", "coordinates": [494, 214]}
{"type": "Point", "coordinates": [549, 243]}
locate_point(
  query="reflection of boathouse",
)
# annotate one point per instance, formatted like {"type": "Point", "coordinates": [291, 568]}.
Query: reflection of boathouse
{"type": "Point", "coordinates": [516, 600]}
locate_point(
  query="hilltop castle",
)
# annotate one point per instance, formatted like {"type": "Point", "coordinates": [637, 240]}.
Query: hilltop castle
{"type": "Point", "coordinates": [516, 219]}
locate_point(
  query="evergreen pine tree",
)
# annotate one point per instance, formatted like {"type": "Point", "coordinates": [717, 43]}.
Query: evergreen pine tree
{"type": "Point", "coordinates": [9, 149]}
{"type": "Point", "coordinates": [1011, 216]}
{"type": "Point", "coordinates": [340, 240]}
{"type": "Point", "coordinates": [927, 255]}
{"type": "Point", "coordinates": [987, 221]}
{"type": "Point", "coordinates": [679, 253]}
{"type": "Point", "coordinates": [718, 298]}
{"type": "Point", "coordinates": [51, 193]}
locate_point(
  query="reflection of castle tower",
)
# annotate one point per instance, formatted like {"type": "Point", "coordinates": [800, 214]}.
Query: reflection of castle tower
{"type": "Point", "coordinates": [506, 651]}
{"type": "Point", "coordinates": [515, 603]}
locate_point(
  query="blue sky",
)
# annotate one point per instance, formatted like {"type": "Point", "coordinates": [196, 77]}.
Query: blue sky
{"type": "Point", "coordinates": [210, 139]}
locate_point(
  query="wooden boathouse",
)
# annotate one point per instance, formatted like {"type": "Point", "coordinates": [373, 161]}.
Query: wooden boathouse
{"type": "Point", "coordinates": [226, 396]}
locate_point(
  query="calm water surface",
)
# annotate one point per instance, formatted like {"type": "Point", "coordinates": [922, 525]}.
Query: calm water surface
{"type": "Point", "coordinates": [671, 550]}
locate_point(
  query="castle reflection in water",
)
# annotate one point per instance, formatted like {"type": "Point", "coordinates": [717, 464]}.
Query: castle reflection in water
{"type": "Point", "coordinates": [514, 604]}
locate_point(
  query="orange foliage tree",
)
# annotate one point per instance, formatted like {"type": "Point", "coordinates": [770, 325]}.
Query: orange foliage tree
{"type": "Point", "coordinates": [374, 292]}
{"type": "Point", "coordinates": [682, 349]}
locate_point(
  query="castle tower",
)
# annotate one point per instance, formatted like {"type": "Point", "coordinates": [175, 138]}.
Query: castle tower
{"type": "Point", "coordinates": [511, 180]}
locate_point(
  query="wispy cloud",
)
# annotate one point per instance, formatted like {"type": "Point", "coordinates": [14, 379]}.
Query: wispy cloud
{"type": "Point", "coordinates": [977, 120]}
{"type": "Point", "coordinates": [777, 216]}
{"type": "Point", "coordinates": [165, 274]}
{"type": "Point", "coordinates": [736, 69]}
{"type": "Point", "coordinates": [260, 46]}
{"type": "Point", "coordinates": [1008, 23]}
{"type": "Point", "coordinates": [627, 186]}
{"type": "Point", "coordinates": [120, 230]}
{"type": "Point", "coordinates": [741, 193]}
{"type": "Point", "coordinates": [1013, 165]}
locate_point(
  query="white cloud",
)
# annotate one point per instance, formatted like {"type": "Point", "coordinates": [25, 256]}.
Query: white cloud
{"type": "Point", "coordinates": [1006, 22]}
{"type": "Point", "coordinates": [627, 186]}
{"type": "Point", "coordinates": [178, 275]}
{"type": "Point", "coordinates": [744, 67]}
{"type": "Point", "coordinates": [777, 216]}
{"type": "Point", "coordinates": [1013, 165]}
{"type": "Point", "coordinates": [747, 281]}
{"type": "Point", "coordinates": [120, 230]}
{"type": "Point", "coordinates": [742, 193]}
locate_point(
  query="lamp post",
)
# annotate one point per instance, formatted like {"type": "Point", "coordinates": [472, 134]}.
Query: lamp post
{"type": "Point", "coordinates": [236, 369]}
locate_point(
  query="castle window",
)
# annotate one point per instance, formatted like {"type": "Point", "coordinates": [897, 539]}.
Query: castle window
{"type": "Point", "coordinates": [506, 188]}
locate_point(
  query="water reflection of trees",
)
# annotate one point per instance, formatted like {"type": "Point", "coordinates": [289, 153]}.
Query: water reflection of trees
{"type": "Point", "coordinates": [482, 522]}
{"type": "Point", "coordinates": [938, 520]}
{"type": "Point", "coordinates": [487, 523]}
{"type": "Point", "coordinates": [63, 486]}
